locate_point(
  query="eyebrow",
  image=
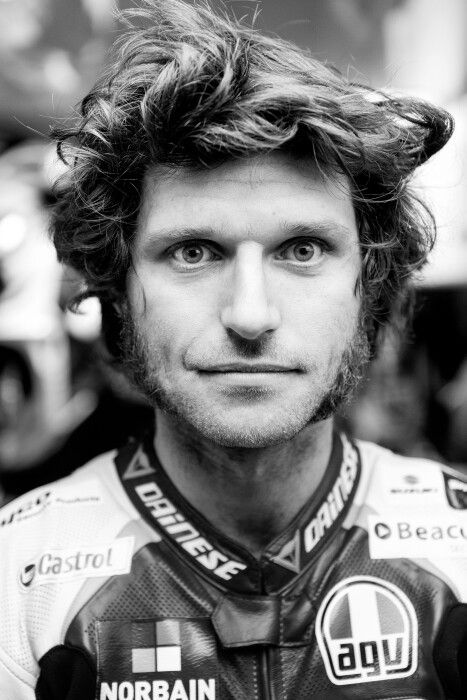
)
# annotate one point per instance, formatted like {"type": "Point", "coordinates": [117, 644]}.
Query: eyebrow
{"type": "Point", "coordinates": [326, 227]}
{"type": "Point", "coordinates": [180, 234]}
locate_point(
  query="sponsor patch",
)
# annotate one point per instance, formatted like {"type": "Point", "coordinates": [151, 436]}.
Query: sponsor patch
{"type": "Point", "coordinates": [25, 509]}
{"type": "Point", "coordinates": [61, 565]}
{"type": "Point", "coordinates": [456, 491]}
{"type": "Point", "coordinates": [414, 487]}
{"type": "Point", "coordinates": [367, 631]}
{"type": "Point", "coordinates": [66, 496]}
{"type": "Point", "coordinates": [157, 659]}
{"type": "Point", "coordinates": [417, 536]}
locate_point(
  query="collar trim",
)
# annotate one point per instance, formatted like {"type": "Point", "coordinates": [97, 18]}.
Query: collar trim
{"type": "Point", "coordinates": [303, 539]}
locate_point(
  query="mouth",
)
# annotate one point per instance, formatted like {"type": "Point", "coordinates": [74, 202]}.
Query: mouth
{"type": "Point", "coordinates": [244, 368]}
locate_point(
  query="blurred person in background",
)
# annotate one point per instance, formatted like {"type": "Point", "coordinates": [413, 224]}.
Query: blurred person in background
{"type": "Point", "coordinates": [34, 351]}
{"type": "Point", "coordinates": [57, 409]}
{"type": "Point", "coordinates": [243, 213]}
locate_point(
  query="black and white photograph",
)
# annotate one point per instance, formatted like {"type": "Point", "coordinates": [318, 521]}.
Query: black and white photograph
{"type": "Point", "coordinates": [233, 350]}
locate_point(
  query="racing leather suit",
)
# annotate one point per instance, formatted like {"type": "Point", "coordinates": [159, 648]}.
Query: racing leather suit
{"type": "Point", "coordinates": [114, 588]}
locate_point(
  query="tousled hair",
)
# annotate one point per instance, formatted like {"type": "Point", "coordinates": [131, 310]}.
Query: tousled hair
{"type": "Point", "coordinates": [188, 86]}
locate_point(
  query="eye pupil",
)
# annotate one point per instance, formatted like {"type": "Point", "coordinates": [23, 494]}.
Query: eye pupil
{"type": "Point", "coordinates": [304, 251]}
{"type": "Point", "coordinates": [192, 254]}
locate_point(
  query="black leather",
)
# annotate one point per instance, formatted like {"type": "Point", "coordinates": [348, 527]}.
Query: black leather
{"type": "Point", "coordinates": [241, 622]}
{"type": "Point", "coordinates": [450, 652]}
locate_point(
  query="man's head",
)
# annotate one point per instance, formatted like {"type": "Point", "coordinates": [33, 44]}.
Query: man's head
{"type": "Point", "coordinates": [296, 180]}
{"type": "Point", "coordinates": [242, 316]}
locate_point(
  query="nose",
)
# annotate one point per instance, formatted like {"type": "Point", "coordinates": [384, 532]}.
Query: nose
{"type": "Point", "coordinates": [248, 312]}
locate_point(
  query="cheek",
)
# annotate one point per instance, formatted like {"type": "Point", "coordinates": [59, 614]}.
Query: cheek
{"type": "Point", "coordinates": [170, 317]}
{"type": "Point", "coordinates": [325, 311]}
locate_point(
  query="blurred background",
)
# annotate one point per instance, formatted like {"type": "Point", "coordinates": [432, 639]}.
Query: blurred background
{"type": "Point", "coordinates": [59, 403]}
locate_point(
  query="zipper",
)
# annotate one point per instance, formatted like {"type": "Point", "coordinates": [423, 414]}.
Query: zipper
{"type": "Point", "coordinates": [266, 686]}
{"type": "Point", "coordinates": [265, 682]}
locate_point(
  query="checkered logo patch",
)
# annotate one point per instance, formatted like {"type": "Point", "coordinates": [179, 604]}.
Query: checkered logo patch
{"type": "Point", "coordinates": [156, 647]}
{"type": "Point", "coordinates": [157, 658]}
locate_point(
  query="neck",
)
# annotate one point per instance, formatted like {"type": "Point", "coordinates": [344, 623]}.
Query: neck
{"type": "Point", "coordinates": [250, 495]}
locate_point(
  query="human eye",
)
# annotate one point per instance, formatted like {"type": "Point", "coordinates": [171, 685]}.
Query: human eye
{"type": "Point", "coordinates": [192, 254]}
{"type": "Point", "coordinates": [303, 251]}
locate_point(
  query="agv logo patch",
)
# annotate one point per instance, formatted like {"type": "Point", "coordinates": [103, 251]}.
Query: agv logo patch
{"type": "Point", "coordinates": [367, 631]}
{"type": "Point", "coordinates": [157, 659]}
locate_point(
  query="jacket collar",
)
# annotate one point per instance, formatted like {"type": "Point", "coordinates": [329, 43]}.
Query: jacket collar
{"type": "Point", "coordinates": [224, 562]}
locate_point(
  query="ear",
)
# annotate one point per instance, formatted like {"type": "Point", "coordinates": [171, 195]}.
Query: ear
{"type": "Point", "coordinates": [117, 307]}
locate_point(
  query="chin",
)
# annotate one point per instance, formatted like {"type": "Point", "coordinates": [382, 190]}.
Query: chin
{"type": "Point", "coordinates": [247, 434]}
{"type": "Point", "coordinates": [246, 439]}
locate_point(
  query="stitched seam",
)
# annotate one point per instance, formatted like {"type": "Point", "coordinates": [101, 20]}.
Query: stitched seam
{"type": "Point", "coordinates": [98, 633]}
{"type": "Point", "coordinates": [255, 678]}
{"type": "Point", "coordinates": [281, 669]}
{"type": "Point", "coordinates": [281, 623]}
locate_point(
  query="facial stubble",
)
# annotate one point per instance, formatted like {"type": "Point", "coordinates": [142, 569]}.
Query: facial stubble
{"type": "Point", "coordinates": [138, 363]}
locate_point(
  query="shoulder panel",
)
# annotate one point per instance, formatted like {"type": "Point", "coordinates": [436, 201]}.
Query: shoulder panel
{"type": "Point", "coordinates": [52, 541]}
{"type": "Point", "coordinates": [414, 509]}
{"type": "Point", "coordinates": [13, 684]}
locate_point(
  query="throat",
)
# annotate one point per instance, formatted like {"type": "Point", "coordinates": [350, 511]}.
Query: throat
{"type": "Point", "coordinates": [253, 530]}
{"type": "Point", "coordinates": [249, 495]}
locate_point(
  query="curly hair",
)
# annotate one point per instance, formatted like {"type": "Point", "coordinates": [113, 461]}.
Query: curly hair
{"type": "Point", "coordinates": [188, 86]}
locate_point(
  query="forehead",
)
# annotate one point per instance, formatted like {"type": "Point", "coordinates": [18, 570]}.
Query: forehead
{"type": "Point", "coordinates": [255, 191]}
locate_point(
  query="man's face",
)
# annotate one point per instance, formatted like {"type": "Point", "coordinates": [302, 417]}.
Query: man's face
{"type": "Point", "coordinates": [242, 318]}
